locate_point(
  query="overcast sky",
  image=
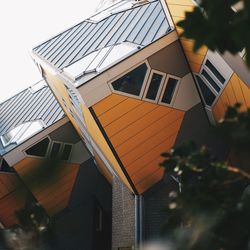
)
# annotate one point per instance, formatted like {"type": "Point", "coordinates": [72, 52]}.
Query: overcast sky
{"type": "Point", "coordinates": [26, 23]}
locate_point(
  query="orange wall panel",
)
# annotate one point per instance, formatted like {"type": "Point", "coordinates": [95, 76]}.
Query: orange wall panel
{"type": "Point", "coordinates": [12, 198]}
{"type": "Point", "coordinates": [138, 164]}
{"type": "Point", "coordinates": [141, 123]}
{"type": "Point", "coordinates": [177, 10]}
{"type": "Point", "coordinates": [150, 180]}
{"type": "Point", "coordinates": [50, 193]}
{"type": "Point", "coordinates": [119, 110]}
{"type": "Point", "coordinates": [129, 118]}
{"type": "Point", "coordinates": [235, 91]}
{"type": "Point", "coordinates": [108, 103]}
{"type": "Point", "coordinates": [139, 134]}
{"type": "Point", "coordinates": [99, 139]}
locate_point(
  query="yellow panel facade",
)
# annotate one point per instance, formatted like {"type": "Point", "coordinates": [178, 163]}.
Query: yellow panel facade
{"type": "Point", "coordinates": [139, 131]}
{"type": "Point", "coordinates": [101, 142]}
{"type": "Point", "coordinates": [235, 91]}
{"type": "Point", "coordinates": [94, 132]}
{"type": "Point", "coordinates": [177, 10]}
{"type": "Point", "coordinates": [61, 94]}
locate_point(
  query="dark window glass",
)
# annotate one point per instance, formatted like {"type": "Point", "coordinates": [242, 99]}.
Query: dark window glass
{"type": "Point", "coordinates": [215, 72]}
{"type": "Point", "coordinates": [39, 149]}
{"type": "Point", "coordinates": [131, 83]}
{"type": "Point", "coordinates": [169, 91]}
{"type": "Point", "coordinates": [154, 86]}
{"type": "Point", "coordinates": [210, 80]}
{"type": "Point", "coordinates": [5, 167]}
{"type": "Point", "coordinates": [66, 152]}
{"type": "Point", "coordinates": [207, 94]}
{"type": "Point", "coordinates": [54, 153]}
{"type": "Point", "coordinates": [98, 219]}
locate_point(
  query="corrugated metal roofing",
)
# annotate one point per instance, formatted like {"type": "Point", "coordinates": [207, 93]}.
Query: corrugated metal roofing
{"type": "Point", "coordinates": [29, 106]}
{"type": "Point", "coordinates": [141, 25]}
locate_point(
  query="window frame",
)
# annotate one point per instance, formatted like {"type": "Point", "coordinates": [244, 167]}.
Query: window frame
{"type": "Point", "coordinates": [35, 156]}
{"type": "Point", "coordinates": [164, 88]}
{"type": "Point", "coordinates": [23, 128]}
{"type": "Point", "coordinates": [49, 148]}
{"type": "Point", "coordinates": [213, 76]}
{"type": "Point", "coordinates": [62, 144]}
{"type": "Point", "coordinates": [157, 98]}
{"type": "Point", "coordinates": [126, 72]}
{"type": "Point", "coordinates": [212, 90]}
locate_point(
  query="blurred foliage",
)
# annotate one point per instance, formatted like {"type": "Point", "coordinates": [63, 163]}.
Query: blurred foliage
{"type": "Point", "coordinates": [28, 233]}
{"type": "Point", "coordinates": [220, 25]}
{"type": "Point", "coordinates": [212, 209]}
{"type": "Point", "coordinates": [234, 128]}
{"type": "Point", "coordinates": [34, 225]}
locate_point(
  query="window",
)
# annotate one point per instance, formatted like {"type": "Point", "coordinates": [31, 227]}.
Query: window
{"type": "Point", "coordinates": [53, 150]}
{"type": "Point", "coordinates": [60, 150]}
{"type": "Point", "coordinates": [132, 82]}
{"type": "Point", "coordinates": [39, 149]}
{"type": "Point", "coordinates": [66, 152]}
{"type": "Point", "coordinates": [98, 219]}
{"type": "Point", "coordinates": [210, 80]}
{"type": "Point", "coordinates": [207, 94]}
{"type": "Point", "coordinates": [21, 132]}
{"type": "Point", "coordinates": [168, 92]}
{"type": "Point", "coordinates": [156, 80]}
{"type": "Point", "coordinates": [4, 166]}
{"type": "Point", "coordinates": [146, 84]}
{"type": "Point", "coordinates": [38, 86]}
{"type": "Point", "coordinates": [215, 71]}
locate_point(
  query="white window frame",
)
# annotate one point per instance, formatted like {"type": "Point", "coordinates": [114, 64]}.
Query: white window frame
{"type": "Point", "coordinates": [211, 74]}
{"type": "Point", "coordinates": [49, 148]}
{"type": "Point", "coordinates": [23, 127]}
{"type": "Point", "coordinates": [225, 72]}
{"type": "Point", "coordinates": [35, 156]}
{"type": "Point", "coordinates": [127, 71]}
{"type": "Point", "coordinates": [211, 89]}
{"type": "Point", "coordinates": [160, 87]}
{"type": "Point", "coordinates": [175, 90]}
{"type": "Point", "coordinates": [62, 144]}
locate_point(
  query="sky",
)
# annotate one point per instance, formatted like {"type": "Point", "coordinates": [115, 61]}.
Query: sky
{"type": "Point", "coordinates": [25, 24]}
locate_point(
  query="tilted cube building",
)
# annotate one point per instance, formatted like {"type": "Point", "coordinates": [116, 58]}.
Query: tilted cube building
{"type": "Point", "coordinates": [132, 89]}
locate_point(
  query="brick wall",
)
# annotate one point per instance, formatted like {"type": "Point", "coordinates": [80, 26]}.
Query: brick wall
{"type": "Point", "coordinates": [123, 213]}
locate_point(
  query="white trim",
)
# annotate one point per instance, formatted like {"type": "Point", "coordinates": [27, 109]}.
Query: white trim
{"type": "Point", "coordinates": [127, 71]}
{"type": "Point", "coordinates": [208, 83]}
{"type": "Point", "coordinates": [108, 165]}
{"type": "Point", "coordinates": [213, 91]}
{"type": "Point", "coordinates": [23, 128]}
{"type": "Point", "coordinates": [15, 155]}
{"type": "Point", "coordinates": [159, 89]}
{"type": "Point", "coordinates": [175, 90]}
{"type": "Point", "coordinates": [47, 150]}
{"type": "Point", "coordinates": [167, 13]}
{"type": "Point", "coordinates": [225, 71]}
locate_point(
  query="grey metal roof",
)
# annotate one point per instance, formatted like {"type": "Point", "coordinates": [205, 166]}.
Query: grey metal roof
{"type": "Point", "coordinates": [26, 106]}
{"type": "Point", "coordinates": [142, 24]}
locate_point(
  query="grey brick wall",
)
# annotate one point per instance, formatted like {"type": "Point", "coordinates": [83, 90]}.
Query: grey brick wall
{"type": "Point", "coordinates": [123, 216]}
